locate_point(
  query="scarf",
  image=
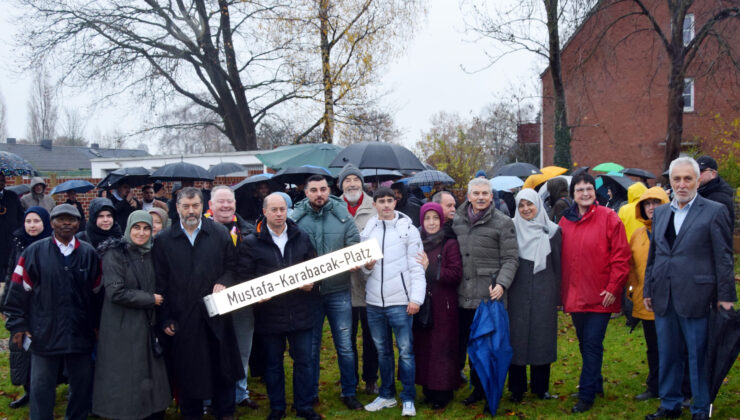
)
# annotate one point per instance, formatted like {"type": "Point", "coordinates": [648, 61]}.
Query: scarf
{"type": "Point", "coordinates": [44, 215]}
{"type": "Point", "coordinates": [473, 217]}
{"type": "Point", "coordinates": [533, 236]}
{"type": "Point", "coordinates": [96, 235]}
{"type": "Point", "coordinates": [135, 217]}
{"type": "Point", "coordinates": [353, 209]}
{"type": "Point", "coordinates": [234, 231]}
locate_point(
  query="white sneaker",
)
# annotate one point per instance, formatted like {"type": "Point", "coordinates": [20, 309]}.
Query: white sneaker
{"type": "Point", "coordinates": [380, 403]}
{"type": "Point", "coordinates": [408, 409]}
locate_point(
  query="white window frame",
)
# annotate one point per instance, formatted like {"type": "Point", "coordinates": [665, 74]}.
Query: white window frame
{"type": "Point", "coordinates": [689, 82]}
{"type": "Point", "coordinates": [692, 27]}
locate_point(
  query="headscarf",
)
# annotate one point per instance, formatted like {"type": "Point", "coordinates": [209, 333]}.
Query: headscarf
{"type": "Point", "coordinates": [96, 235]}
{"type": "Point", "coordinates": [166, 222]}
{"type": "Point", "coordinates": [44, 215]}
{"type": "Point", "coordinates": [432, 241]}
{"type": "Point", "coordinates": [135, 217]}
{"type": "Point", "coordinates": [533, 236]}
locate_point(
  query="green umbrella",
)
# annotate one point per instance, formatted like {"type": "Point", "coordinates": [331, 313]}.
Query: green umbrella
{"type": "Point", "coordinates": [608, 167]}
{"type": "Point", "coordinates": [318, 154]}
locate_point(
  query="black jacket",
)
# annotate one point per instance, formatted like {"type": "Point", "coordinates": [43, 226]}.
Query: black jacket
{"type": "Point", "coordinates": [258, 255]}
{"type": "Point", "coordinates": [92, 233]}
{"type": "Point", "coordinates": [10, 220]}
{"type": "Point", "coordinates": [123, 209]}
{"type": "Point", "coordinates": [18, 246]}
{"type": "Point", "coordinates": [720, 191]}
{"type": "Point", "coordinates": [55, 298]}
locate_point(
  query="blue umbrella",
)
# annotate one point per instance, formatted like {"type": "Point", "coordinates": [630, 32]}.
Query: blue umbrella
{"type": "Point", "coordinates": [506, 182]}
{"type": "Point", "coordinates": [489, 349]}
{"type": "Point", "coordinates": [76, 185]}
{"type": "Point", "coordinates": [250, 180]}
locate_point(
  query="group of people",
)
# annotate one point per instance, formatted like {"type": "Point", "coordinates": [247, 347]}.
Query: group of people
{"type": "Point", "coordinates": [117, 307]}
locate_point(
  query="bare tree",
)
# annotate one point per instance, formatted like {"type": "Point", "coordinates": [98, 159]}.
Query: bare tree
{"type": "Point", "coordinates": [3, 117]}
{"type": "Point", "coordinates": [369, 125]}
{"type": "Point", "coordinates": [42, 107]}
{"type": "Point", "coordinates": [73, 129]}
{"type": "Point", "coordinates": [196, 139]}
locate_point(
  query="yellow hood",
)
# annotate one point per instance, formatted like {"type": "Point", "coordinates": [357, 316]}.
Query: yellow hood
{"type": "Point", "coordinates": [635, 191]}
{"type": "Point", "coordinates": [653, 193]}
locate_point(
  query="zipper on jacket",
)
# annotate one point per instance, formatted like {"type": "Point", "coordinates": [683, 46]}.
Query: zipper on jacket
{"type": "Point", "coordinates": [382, 299]}
{"type": "Point", "coordinates": [403, 282]}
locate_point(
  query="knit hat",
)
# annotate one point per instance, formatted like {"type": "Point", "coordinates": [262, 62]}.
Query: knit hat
{"type": "Point", "coordinates": [480, 172]}
{"type": "Point", "coordinates": [349, 169]}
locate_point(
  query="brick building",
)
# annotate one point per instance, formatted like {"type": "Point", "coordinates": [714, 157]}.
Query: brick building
{"type": "Point", "coordinates": [617, 93]}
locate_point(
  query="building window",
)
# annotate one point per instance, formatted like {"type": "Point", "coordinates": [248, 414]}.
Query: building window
{"type": "Point", "coordinates": [688, 28]}
{"type": "Point", "coordinates": [688, 95]}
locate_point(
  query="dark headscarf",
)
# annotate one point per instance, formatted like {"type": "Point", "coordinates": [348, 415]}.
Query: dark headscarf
{"type": "Point", "coordinates": [96, 235]}
{"type": "Point", "coordinates": [44, 215]}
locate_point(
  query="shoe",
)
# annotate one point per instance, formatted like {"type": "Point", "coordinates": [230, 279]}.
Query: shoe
{"type": "Point", "coordinates": [436, 405]}
{"type": "Point", "coordinates": [647, 395]}
{"type": "Point", "coordinates": [315, 401]}
{"type": "Point", "coordinates": [473, 398]}
{"type": "Point", "coordinates": [276, 415]}
{"type": "Point", "coordinates": [581, 406]}
{"type": "Point", "coordinates": [700, 416]}
{"type": "Point", "coordinates": [408, 409]}
{"type": "Point", "coordinates": [516, 398]}
{"type": "Point", "coordinates": [371, 388]}
{"type": "Point", "coordinates": [686, 403]}
{"type": "Point", "coordinates": [20, 402]}
{"type": "Point", "coordinates": [547, 396]}
{"type": "Point", "coordinates": [381, 403]}
{"type": "Point", "coordinates": [249, 403]}
{"type": "Point", "coordinates": [308, 414]}
{"type": "Point", "coordinates": [352, 403]}
{"type": "Point", "coordinates": [663, 413]}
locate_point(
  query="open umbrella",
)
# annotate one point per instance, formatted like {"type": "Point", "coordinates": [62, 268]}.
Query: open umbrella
{"type": "Point", "coordinates": [227, 168]}
{"type": "Point", "coordinates": [579, 170]}
{"type": "Point", "coordinates": [134, 176]}
{"type": "Point", "coordinates": [489, 349]}
{"type": "Point", "coordinates": [320, 154]}
{"type": "Point", "coordinates": [252, 180]}
{"type": "Point", "coordinates": [20, 189]}
{"type": "Point", "coordinates": [380, 175]}
{"type": "Point", "coordinates": [640, 173]}
{"type": "Point", "coordinates": [377, 155]}
{"type": "Point", "coordinates": [608, 167]}
{"type": "Point", "coordinates": [723, 346]}
{"type": "Point", "coordinates": [522, 169]}
{"type": "Point", "coordinates": [618, 180]}
{"type": "Point", "coordinates": [431, 177]}
{"type": "Point", "coordinates": [182, 171]}
{"type": "Point", "coordinates": [299, 174]}
{"type": "Point", "coordinates": [505, 182]}
{"type": "Point", "coordinates": [76, 185]}
{"type": "Point", "coordinates": [14, 165]}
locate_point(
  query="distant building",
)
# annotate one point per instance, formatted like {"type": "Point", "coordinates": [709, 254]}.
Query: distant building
{"type": "Point", "coordinates": [617, 97]}
{"type": "Point", "coordinates": [102, 166]}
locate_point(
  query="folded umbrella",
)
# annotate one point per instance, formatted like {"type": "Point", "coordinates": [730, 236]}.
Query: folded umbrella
{"type": "Point", "coordinates": [76, 185]}
{"type": "Point", "coordinates": [430, 178]}
{"type": "Point", "coordinates": [723, 346]}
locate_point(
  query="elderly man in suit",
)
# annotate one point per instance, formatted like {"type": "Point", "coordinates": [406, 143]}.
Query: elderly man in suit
{"type": "Point", "coordinates": [689, 270]}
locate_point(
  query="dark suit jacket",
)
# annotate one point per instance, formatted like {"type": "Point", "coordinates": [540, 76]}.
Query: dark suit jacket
{"type": "Point", "coordinates": [698, 270]}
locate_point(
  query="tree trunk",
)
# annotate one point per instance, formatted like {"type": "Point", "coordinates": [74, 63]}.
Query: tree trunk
{"type": "Point", "coordinates": [562, 133]}
{"type": "Point", "coordinates": [327, 134]}
{"type": "Point", "coordinates": [676, 56]}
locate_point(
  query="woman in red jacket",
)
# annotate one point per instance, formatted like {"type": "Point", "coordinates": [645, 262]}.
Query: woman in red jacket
{"type": "Point", "coordinates": [595, 267]}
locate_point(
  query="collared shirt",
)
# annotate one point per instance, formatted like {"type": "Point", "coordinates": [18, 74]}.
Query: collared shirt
{"type": "Point", "coordinates": [66, 249]}
{"type": "Point", "coordinates": [679, 215]}
{"type": "Point", "coordinates": [192, 237]}
{"type": "Point", "coordinates": [280, 240]}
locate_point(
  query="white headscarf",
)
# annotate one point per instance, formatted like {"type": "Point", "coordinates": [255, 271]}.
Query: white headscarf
{"type": "Point", "coordinates": [533, 236]}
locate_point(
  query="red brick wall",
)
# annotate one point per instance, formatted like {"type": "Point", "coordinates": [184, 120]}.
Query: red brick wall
{"type": "Point", "coordinates": [617, 98]}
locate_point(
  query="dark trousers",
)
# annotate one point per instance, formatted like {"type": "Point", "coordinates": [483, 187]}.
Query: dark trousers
{"type": "Point", "coordinates": [539, 379]}
{"type": "Point", "coordinates": [590, 329]}
{"type": "Point", "coordinates": [369, 353]}
{"type": "Point", "coordinates": [222, 401]}
{"type": "Point", "coordinates": [300, 352]}
{"type": "Point", "coordinates": [466, 320]}
{"type": "Point", "coordinates": [437, 396]}
{"type": "Point", "coordinates": [651, 342]}
{"type": "Point", "coordinates": [44, 378]}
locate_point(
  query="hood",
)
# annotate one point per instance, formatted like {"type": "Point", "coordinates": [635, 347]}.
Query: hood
{"type": "Point", "coordinates": [652, 193]}
{"type": "Point", "coordinates": [635, 191]}
{"type": "Point", "coordinates": [99, 204]}
{"type": "Point", "coordinates": [404, 193]}
{"type": "Point", "coordinates": [558, 188]}
{"type": "Point", "coordinates": [36, 181]}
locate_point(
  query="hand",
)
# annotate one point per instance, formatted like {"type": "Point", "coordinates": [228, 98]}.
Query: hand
{"type": "Point", "coordinates": [130, 195]}
{"type": "Point", "coordinates": [307, 288]}
{"type": "Point", "coordinates": [18, 339]}
{"type": "Point", "coordinates": [608, 298]}
{"type": "Point", "coordinates": [648, 304]}
{"type": "Point", "coordinates": [412, 308]}
{"type": "Point", "coordinates": [218, 287]}
{"type": "Point", "coordinates": [158, 299]}
{"type": "Point", "coordinates": [496, 292]}
{"type": "Point", "coordinates": [370, 265]}
{"type": "Point", "coordinates": [422, 259]}
{"type": "Point", "coordinates": [727, 306]}
{"type": "Point", "coordinates": [170, 330]}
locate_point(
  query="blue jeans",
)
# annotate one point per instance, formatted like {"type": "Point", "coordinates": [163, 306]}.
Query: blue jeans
{"type": "Point", "coordinates": [673, 329]}
{"type": "Point", "coordinates": [243, 328]}
{"type": "Point", "coordinates": [44, 375]}
{"type": "Point", "coordinates": [590, 329]}
{"type": "Point", "coordinates": [338, 308]}
{"type": "Point", "coordinates": [300, 351]}
{"type": "Point", "coordinates": [395, 317]}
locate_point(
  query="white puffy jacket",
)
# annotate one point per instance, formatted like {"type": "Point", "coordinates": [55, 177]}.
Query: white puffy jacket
{"type": "Point", "coordinates": [397, 278]}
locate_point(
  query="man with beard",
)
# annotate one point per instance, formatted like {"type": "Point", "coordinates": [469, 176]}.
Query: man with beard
{"type": "Point", "coordinates": [194, 258]}
{"type": "Point", "coordinates": [148, 200]}
{"type": "Point", "coordinates": [11, 218]}
{"type": "Point", "coordinates": [406, 203]}
{"type": "Point", "coordinates": [360, 206]}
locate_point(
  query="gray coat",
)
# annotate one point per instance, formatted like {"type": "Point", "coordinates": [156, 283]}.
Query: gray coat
{"type": "Point", "coordinates": [489, 253]}
{"type": "Point", "coordinates": [130, 381]}
{"type": "Point", "coordinates": [362, 215]}
{"type": "Point", "coordinates": [533, 310]}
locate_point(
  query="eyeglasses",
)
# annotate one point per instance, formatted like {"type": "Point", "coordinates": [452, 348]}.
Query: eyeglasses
{"type": "Point", "coordinates": [582, 190]}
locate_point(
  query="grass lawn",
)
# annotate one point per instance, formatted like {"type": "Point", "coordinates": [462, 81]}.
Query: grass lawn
{"type": "Point", "coordinates": [624, 371]}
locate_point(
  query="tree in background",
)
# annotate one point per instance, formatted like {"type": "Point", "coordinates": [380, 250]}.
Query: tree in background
{"type": "Point", "coordinates": [191, 129]}
{"type": "Point", "coordinates": [73, 129]}
{"type": "Point", "coordinates": [371, 125]}
{"type": "Point", "coordinates": [42, 107]}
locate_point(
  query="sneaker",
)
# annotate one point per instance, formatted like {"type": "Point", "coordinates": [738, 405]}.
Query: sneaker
{"type": "Point", "coordinates": [381, 403]}
{"type": "Point", "coordinates": [408, 409]}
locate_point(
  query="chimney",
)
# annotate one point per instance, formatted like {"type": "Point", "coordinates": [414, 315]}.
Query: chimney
{"type": "Point", "coordinates": [10, 140]}
{"type": "Point", "coordinates": [46, 144]}
{"type": "Point", "coordinates": [94, 146]}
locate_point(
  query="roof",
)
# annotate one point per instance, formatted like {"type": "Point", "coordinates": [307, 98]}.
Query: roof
{"type": "Point", "coordinates": [65, 158]}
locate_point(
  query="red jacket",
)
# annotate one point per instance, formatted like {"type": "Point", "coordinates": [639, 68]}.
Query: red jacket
{"type": "Point", "coordinates": [595, 257]}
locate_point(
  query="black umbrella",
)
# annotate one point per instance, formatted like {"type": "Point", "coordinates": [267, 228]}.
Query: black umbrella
{"type": "Point", "coordinates": [380, 175]}
{"type": "Point", "coordinates": [723, 346]}
{"type": "Point", "coordinates": [20, 189]}
{"type": "Point", "coordinates": [134, 176]}
{"type": "Point", "coordinates": [640, 173]}
{"type": "Point", "coordinates": [253, 180]}
{"type": "Point", "coordinates": [522, 169]}
{"type": "Point", "coordinates": [226, 168]}
{"type": "Point", "coordinates": [617, 181]}
{"type": "Point", "coordinates": [377, 155]}
{"type": "Point", "coordinates": [182, 171]}
{"type": "Point", "coordinates": [580, 170]}
{"type": "Point", "coordinates": [298, 175]}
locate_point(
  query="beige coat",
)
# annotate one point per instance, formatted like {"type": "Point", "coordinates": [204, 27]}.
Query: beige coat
{"type": "Point", "coordinates": [363, 214]}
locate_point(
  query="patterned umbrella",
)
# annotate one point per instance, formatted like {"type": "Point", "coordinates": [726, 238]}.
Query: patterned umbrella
{"type": "Point", "coordinates": [431, 177]}
{"type": "Point", "coordinates": [14, 165]}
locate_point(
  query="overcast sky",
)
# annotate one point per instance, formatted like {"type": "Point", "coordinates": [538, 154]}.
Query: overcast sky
{"type": "Point", "coordinates": [427, 79]}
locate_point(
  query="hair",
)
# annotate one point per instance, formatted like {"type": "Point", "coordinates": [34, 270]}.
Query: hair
{"type": "Point", "coordinates": [189, 192]}
{"type": "Point", "coordinates": [683, 160]}
{"type": "Point", "coordinates": [221, 187]}
{"type": "Point", "coordinates": [383, 192]}
{"type": "Point", "coordinates": [578, 178]}
{"type": "Point", "coordinates": [475, 182]}
{"type": "Point", "coordinates": [437, 197]}
{"type": "Point", "coordinates": [157, 186]}
{"type": "Point", "coordinates": [315, 178]}
{"type": "Point", "coordinates": [276, 194]}
{"type": "Point", "coordinates": [147, 187]}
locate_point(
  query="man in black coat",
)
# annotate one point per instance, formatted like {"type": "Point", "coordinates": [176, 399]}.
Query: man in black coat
{"type": "Point", "coordinates": [192, 259]}
{"type": "Point", "coordinates": [124, 201]}
{"type": "Point", "coordinates": [713, 187]}
{"type": "Point", "coordinates": [278, 243]}
{"type": "Point", "coordinates": [54, 306]}
{"type": "Point", "coordinates": [11, 218]}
